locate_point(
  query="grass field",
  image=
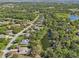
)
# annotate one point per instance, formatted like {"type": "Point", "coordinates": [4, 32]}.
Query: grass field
{"type": "Point", "coordinates": [45, 43]}
{"type": "Point", "coordinates": [62, 15]}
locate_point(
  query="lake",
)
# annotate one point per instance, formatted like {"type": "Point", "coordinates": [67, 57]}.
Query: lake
{"type": "Point", "coordinates": [73, 17]}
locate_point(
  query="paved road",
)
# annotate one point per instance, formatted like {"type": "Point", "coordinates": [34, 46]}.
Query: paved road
{"type": "Point", "coordinates": [17, 35]}
{"type": "Point", "coordinates": [9, 50]}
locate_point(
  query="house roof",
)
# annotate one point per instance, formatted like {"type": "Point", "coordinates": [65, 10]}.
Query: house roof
{"type": "Point", "coordinates": [24, 50]}
{"type": "Point", "coordinates": [2, 36]}
{"type": "Point", "coordinates": [25, 41]}
{"type": "Point", "coordinates": [27, 34]}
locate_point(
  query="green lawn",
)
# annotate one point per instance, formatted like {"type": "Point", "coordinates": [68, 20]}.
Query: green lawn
{"type": "Point", "coordinates": [3, 43]}
{"type": "Point", "coordinates": [44, 40]}
{"type": "Point", "coordinates": [20, 38]}
{"type": "Point", "coordinates": [63, 15]}
{"type": "Point", "coordinates": [45, 43]}
{"type": "Point", "coordinates": [3, 29]}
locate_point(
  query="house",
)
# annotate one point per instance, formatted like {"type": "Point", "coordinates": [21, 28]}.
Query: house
{"type": "Point", "coordinates": [7, 36]}
{"type": "Point", "coordinates": [68, 29]}
{"type": "Point", "coordinates": [39, 25]}
{"type": "Point", "coordinates": [24, 50]}
{"type": "Point", "coordinates": [27, 34]}
{"type": "Point", "coordinates": [25, 41]}
{"type": "Point", "coordinates": [1, 22]}
{"type": "Point", "coordinates": [2, 36]}
{"type": "Point", "coordinates": [39, 22]}
{"type": "Point", "coordinates": [36, 28]}
{"type": "Point", "coordinates": [66, 37]}
{"type": "Point", "coordinates": [18, 25]}
{"type": "Point", "coordinates": [10, 32]}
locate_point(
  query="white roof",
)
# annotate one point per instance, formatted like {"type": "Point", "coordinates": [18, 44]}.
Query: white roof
{"type": "Point", "coordinates": [24, 50]}
{"type": "Point", "coordinates": [27, 34]}
{"type": "Point", "coordinates": [2, 36]}
{"type": "Point", "coordinates": [26, 41]}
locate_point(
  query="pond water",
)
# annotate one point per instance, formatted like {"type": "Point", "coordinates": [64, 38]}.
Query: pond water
{"type": "Point", "coordinates": [49, 34]}
{"type": "Point", "coordinates": [73, 17]}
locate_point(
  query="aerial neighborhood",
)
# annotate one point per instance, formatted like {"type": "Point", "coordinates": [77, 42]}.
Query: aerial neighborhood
{"type": "Point", "coordinates": [39, 30]}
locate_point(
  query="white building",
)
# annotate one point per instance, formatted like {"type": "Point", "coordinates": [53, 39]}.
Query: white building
{"type": "Point", "coordinates": [24, 50]}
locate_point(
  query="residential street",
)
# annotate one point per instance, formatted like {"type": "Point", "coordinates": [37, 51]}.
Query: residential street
{"type": "Point", "coordinates": [17, 35]}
